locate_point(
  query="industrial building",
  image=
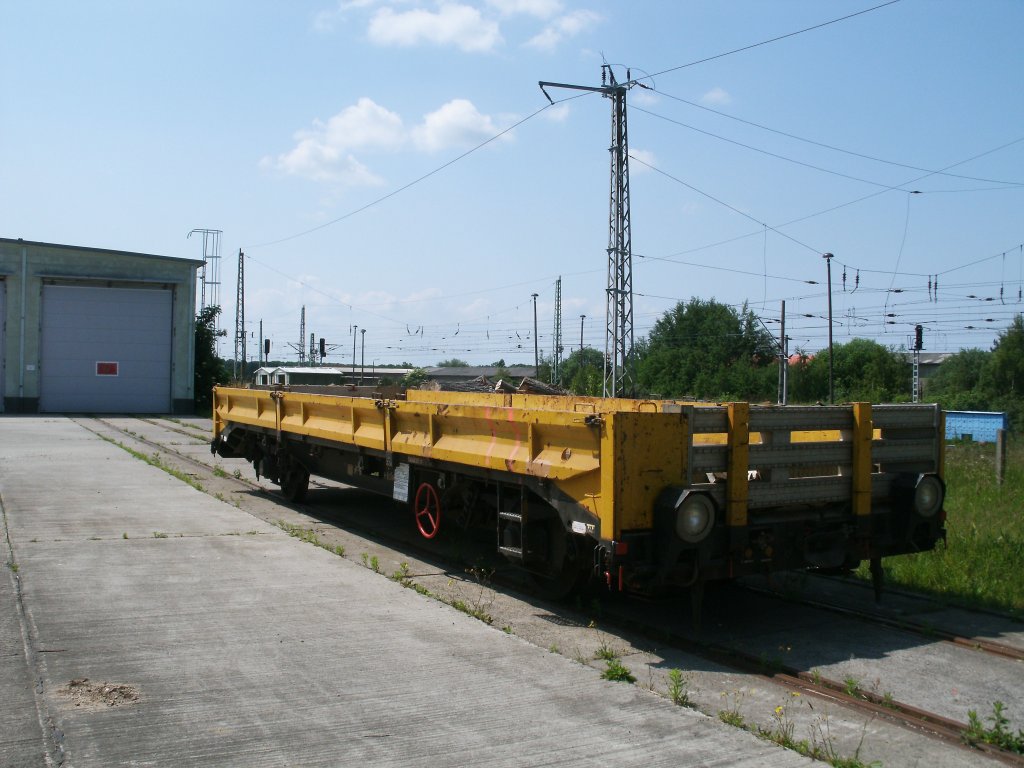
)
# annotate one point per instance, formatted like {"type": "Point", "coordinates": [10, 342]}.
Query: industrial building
{"type": "Point", "coordinates": [90, 330]}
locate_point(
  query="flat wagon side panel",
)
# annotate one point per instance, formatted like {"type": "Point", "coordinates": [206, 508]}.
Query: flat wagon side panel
{"type": "Point", "coordinates": [356, 421]}
{"type": "Point", "coordinates": [547, 444]}
{"type": "Point", "coordinates": [243, 406]}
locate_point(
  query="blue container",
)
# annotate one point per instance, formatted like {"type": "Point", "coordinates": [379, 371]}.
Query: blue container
{"type": "Point", "coordinates": [980, 426]}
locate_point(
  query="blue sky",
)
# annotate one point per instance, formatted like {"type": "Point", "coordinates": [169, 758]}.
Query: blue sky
{"type": "Point", "coordinates": [300, 128]}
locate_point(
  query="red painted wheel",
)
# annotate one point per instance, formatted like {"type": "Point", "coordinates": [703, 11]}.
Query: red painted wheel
{"type": "Point", "coordinates": [428, 510]}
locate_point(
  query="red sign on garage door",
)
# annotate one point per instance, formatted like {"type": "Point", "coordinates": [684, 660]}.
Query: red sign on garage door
{"type": "Point", "coordinates": [106, 369]}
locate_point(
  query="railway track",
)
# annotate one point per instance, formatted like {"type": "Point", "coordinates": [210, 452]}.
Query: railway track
{"type": "Point", "coordinates": [789, 678]}
{"type": "Point", "coordinates": [926, 631]}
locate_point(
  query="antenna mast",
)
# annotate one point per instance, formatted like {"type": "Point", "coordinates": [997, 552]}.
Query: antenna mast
{"type": "Point", "coordinates": [239, 361]}
{"type": "Point", "coordinates": [618, 346]}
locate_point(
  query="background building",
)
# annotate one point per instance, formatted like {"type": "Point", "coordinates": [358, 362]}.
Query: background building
{"type": "Point", "coordinates": [90, 330]}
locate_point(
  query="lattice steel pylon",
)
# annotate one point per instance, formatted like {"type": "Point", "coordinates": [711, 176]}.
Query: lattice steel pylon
{"type": "Point", "coordinates": [238, 369]}
{"type": "Point", "coordinates": [556, 351]}
{"type": "Point", "coordinates": [208, 276]}
{"type": "Point", "coordinates": [619, 380]}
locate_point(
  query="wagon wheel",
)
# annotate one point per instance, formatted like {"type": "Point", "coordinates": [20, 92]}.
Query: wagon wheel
{"type": "Point", "coordinates": [295, 483]}
{"type": "Point", "coordinates": [427, 507]}
{"type": "Point", "coordinates": [568, 559]}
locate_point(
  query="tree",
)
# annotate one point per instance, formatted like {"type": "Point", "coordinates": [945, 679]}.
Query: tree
{"type": "Point", "coordinates": [1002, 379]}
{"type": "Point", "coordinates": [862, 370]}
{"type": "Point", "coordinates": [708, 350]}
{"type": "Point", "coordinates": [453, 362]}
{"type": "Point", "coordinates": [583, 372]}
{"type": "Point", "coordinates": [209, 369]}
{"type": "Point", "coordinates": [957, 383]}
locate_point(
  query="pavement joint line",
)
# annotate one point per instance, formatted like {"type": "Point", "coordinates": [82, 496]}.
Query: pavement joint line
{"type": "Point", "coordinates": [53, 748]}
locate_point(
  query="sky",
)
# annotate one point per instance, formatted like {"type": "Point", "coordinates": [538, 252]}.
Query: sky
{"type": "Point", "coordinates": [393, 166]}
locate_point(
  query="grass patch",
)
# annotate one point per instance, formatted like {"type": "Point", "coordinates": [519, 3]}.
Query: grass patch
{"type": "Point", "coordinates": [678, 688]}
{"type": "Point", "coordinates": [617, 671]}
{"type": "Point", "coordinates": [980, 566]}
{"type": "Point", "coordinates": [154, 460]}
{"type": "Point", "coordinates": [998, 734]}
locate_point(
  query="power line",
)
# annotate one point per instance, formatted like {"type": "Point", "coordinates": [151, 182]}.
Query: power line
{"type": "Point", "coordinates": [834, 148]}
{"type": "Point", "coordinates": [772, 40]}
{"type": "Point", "coordinates": [404, 187]}
{"type": "Point", "coordinates": [723, 203]}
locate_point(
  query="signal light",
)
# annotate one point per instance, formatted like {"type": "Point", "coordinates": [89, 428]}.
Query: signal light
{"type": "Point", "coordinates": [323, 347]}
{"type": "Point", "coordinates": [266, 346]}
{"type": "Point", "coordinates": [918, 338]}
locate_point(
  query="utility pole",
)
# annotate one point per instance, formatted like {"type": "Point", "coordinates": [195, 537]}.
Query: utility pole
{"type": "Point", "coordinates": [354, 329]}
{"type": "Point", "coordinates": [831, 387]}
{"type": "Point", "coordinates": [261, 343]}
{"type": "Point", "coordinates": [783, 360]}
{"type": "Point", "coordinates": [238, 369]}
{"type": "Point", "coordinates": [536, 341]}
{"type": "Point", "coordinates": [556, 352]}
{"type": "Point", "coordinates": [362, 355]}
{"type": "Point", "coordinates": [312, 349]}
{"type": "Point", "coordinates": [618, 359]}
{"type": "Point", "coordinates": [582, 318]}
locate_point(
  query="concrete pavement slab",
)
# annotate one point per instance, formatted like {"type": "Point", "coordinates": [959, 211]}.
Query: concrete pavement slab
{"type": "Point", "coordinates": [247, 647]}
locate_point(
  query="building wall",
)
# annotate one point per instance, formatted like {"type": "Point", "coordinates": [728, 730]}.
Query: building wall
{"type": "Point", "coordinates": [26, 266]}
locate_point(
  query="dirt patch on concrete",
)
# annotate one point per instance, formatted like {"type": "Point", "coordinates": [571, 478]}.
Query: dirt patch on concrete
{"type": "Point", "coordinates": [82, 692]}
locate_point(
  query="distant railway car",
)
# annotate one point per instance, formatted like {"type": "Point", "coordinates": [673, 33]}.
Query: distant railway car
{"type": "Point", "coordinates": [639, 494]}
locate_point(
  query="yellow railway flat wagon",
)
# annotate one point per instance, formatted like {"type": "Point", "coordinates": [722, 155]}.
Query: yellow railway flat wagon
{"type": "Point", "coordinates": [642, 494]}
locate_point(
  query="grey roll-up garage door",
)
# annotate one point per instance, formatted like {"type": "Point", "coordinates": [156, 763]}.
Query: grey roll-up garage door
{"type": "Point", "coordinates": [3, 335]}
{"type": "Point", "coordinates": [105, 350]}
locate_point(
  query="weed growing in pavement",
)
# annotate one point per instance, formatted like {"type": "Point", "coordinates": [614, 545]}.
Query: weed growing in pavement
{"type": "Point", "coordinates": [218, 472]}
{"type": "Point", "coordinates": [678, 685]}
{"type": "Point", "coordinates": [401, 575]}
{"type": "Point", "coordinates": [616, 671]}
{"type": "Point", "coordinates": [159, 535]}
{"type": "Point", "coordinates": [998, 734]}
{"type": "Point", "coordinates": [375, 564]}
{"type": "Point", "coordinates": [783, 727]}
{"type": "Point", "coordinates": [605, 651]}
{"type": "Point", "coordinates": [507, 629]}
{"type": "Point", "coordinates": [851, 686]}
{"type": "Point", "coordinates": [731, 714]}
{"type": "Point", "coordinates": [155, 460]}
{"type": "Point", "coordinates": [13, 567]}
{"type": "Point", "coordinates": [816, 676]}
{"type": "Point", "coordinates": [124, 535]}
{"type": "Point", "coordinates": [308, 536]}
{"type": "Point", "coordinates": [782, 731]}
{"type": "Point", "coordinates": [553, 648]}
{"type": "Point", "coordinates": [365, 557]}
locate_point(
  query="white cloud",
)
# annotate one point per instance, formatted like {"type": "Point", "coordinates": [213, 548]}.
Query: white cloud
{"type": "Point", "coordinates": [558, 113]}
{"type": "Point", "coordinates": [644, 156]}
{"type": "Point", "coordinates": [716, 96]}
{"type": "Point", "coordinates": [452, 24]}
{"type": "Point", "coordinates": [325, 21]}
{"type": "Point", "coordinates": [327, 152]}
{"type": "Point", "coordinates": [324, 153]}
{"type": "Point", "coordinates": [562, 28]}
{"type": "Point", "coordinates": [542, 9]}
{"type": "Point", "coordinates": [457, 123]}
